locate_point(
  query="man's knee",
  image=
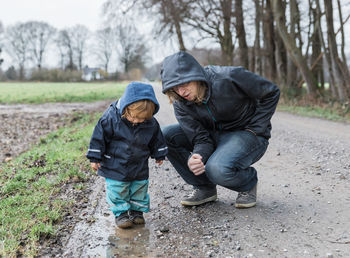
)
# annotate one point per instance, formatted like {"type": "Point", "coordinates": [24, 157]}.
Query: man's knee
{"type": "Point", "coordinates": [214, 173]}
{"type": "Point", "coordinates": [219, 174]}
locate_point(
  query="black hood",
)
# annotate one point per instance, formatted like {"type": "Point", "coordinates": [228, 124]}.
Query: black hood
{"type": "Point", "coordinates": [181, 68]}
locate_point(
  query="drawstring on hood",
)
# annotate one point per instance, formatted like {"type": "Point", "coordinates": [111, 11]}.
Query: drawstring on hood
{"type": "Point", "coordinates": [181, 68]}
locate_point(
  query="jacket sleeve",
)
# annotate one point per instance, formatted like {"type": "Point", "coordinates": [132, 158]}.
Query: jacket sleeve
{"type": "Point", "coordinates": [198, 136]}
{"type": "Point", "coordinates": [263, 92]}
{"type": "Point", "coordinates": [157, 145]}
{"type": "Point", "coordinates": [99, 140]}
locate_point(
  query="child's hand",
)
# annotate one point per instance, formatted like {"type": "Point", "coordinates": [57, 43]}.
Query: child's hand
{"type": "Point", "coordinates": [159, 162]}
{"type": "Point", "coordinates": [95, 166]}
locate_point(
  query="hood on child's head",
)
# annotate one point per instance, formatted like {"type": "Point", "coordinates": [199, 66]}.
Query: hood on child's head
{"type": "Point", "coordinates": [136, 91]}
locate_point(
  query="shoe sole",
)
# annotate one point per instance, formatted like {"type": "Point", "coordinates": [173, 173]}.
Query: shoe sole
{"type": "Point", "coordinates": [210, 199]}
{"type": "Point", "coordinates": [245, 205]}
{"type": "Point", "coordinates": [127, 224]}
{"type": "Point", "coordinates": [138, 221]}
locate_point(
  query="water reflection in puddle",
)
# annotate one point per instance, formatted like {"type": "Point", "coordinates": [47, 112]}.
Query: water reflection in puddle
{"type": "Point", "coordinates": [132, 242]}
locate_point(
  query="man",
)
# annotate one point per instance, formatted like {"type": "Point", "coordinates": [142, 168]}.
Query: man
{"type": "Point", "coordinates": [224, 126]}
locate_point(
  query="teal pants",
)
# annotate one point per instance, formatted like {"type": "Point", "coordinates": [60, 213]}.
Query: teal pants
{"type": "Point", "coordinates": [124, 196]}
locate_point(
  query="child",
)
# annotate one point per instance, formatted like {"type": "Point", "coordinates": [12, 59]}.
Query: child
{"type": "Point", "coordinates": [124, 138]}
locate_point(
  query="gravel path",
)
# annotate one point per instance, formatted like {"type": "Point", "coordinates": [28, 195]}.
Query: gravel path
{"type": "Point", "coordinates": [303, 205]}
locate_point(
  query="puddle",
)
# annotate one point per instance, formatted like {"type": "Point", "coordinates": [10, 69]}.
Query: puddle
{"type": "Point", "coordinates": [103, 238]}
{"type": "Point", "coordinates": [134, 242]}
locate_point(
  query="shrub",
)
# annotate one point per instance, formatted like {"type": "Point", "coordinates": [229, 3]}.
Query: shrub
{"type": "Point", "coordinates": [56, 75]}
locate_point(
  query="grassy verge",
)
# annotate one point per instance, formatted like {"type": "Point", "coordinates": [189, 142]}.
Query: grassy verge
{"type": "Point", "coordinates": [30, 187]}
{"type": "Point", "coordinates": [318, 112]}
{"type": "Point", "coordinates": [330, 111]}
{"type": "Point", "coordinates": [42, 92]}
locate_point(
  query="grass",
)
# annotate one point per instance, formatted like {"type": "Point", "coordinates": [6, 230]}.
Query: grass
{"type": "Point", "coordinates": [43, 92]}
{"type": "Point", "coordinates": [333, 111]}
{"type": "Point", "coordinates": [319, 112]}
{"type": "Point", "coordinates": [30, 202]}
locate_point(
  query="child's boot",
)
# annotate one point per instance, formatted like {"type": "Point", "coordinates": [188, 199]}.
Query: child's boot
{"type": "Point", "coordinates": [123, 220]}
{"type": "Point", "coordinates": [137, 217]}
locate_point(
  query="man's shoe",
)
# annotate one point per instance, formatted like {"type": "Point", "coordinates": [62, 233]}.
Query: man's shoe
{"type": "Point", "coordinates": [247, 199]}
{"type": "Point", "coordinates": [123, 220]}
{"type": "Point", "coordinates": [200, 196]}
{"type": "Point", "coordinates": [137, 217]}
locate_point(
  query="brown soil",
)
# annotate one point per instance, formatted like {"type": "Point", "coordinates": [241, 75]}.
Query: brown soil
{"type": "Point", "coordinates": [22, 125]}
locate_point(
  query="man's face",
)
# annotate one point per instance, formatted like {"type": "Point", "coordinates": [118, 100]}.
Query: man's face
{"type": "Point", "coordinates": [188, 91]}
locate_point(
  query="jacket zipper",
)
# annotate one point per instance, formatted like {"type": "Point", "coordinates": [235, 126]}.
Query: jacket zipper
{"type": "Point", "coordinates": [211, 115]}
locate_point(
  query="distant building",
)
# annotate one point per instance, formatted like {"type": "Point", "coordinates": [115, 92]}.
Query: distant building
{"type": "Point", "coordinates": [91, 74]}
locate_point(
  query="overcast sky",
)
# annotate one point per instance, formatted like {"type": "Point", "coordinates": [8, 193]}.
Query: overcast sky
{"type": "Point", "coordinates": [58, 13]}
{"type": "Point", "coordinates": [67, 13]}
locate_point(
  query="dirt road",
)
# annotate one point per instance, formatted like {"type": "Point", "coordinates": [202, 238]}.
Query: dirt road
{"type": "Point", "coordinates": [303, 205]}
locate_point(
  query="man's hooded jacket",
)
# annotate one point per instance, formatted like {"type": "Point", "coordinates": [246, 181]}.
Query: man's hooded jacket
{"type": "Point", "coordinates": [236, 100]}
{"type": "Point", "coordinates": [123, 148]}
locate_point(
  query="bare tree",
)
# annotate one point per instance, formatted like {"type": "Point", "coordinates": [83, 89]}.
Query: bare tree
{"type": "Point", "coordinates": [62, 53]}
{"type": "Point", "coordinates": [295, 53]}
{"type": "Point", "coordinates": [17, 45]}
{"type": "Point", "coordinates": [172, 14]}
{"type": "Point", "coordinates": [256, 64]}
{"type": "Point", "coordinates": [65, 46]}
{"type": "Point", "coordinates": [326, 51]}
{"type": "Point", "coordinates": [269, 42]}
{"type": "Point", "coordinates": [341, 29]}
{"type": "Point", "coordinates": [72, 44]}
{"type": "Point", "coordinates": [39, 35]}
{"type": "Point", "coordinates": [213, 19]}
{"type": "Point", "coordinates": [1, 32]}
{"type": "Point", "coordinates": [79, 36]}
{"type": "Point", "coordinates": [316, 44]}
{"type": "Point", "coordinates": [281, 54]}
{"type": "Point", "coordinates": [289, 46]}
{"type": "Point", "coordinates": [1, 59]}
{"type": "Point", "coordinates": [132, 48]}
{"type": "Point", "coordinates": [337, 64]}
{"type": "Point", "coordinates": [169, 14]}
{"type": "Point", "coordinates": [241, 35]}
{"type": "Point", "coordinates": [344, 65]}
{"type": "Point", "coordinates": [292, 71]}
{"type": "Point", "coordinates": [105, 42]}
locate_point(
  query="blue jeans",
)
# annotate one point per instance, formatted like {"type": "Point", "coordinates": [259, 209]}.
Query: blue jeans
{"type": "Point", "coordinates": [123, 196]}
{"type": "Point", "coordinates": [228, 166]}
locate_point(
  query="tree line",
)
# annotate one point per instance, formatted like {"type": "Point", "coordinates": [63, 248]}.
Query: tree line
{"type": "Point", "coordinates": [298, 44]}
{"type": "Point", "coordinates": [28, 43]}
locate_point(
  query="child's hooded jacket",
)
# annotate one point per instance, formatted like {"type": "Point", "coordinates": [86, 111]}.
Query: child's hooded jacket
{"type": "Point", "coordinates": [122, 148]}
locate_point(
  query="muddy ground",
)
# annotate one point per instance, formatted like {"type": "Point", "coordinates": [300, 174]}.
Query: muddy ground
{"type": "Point", "coordinates": [303, 199]}
{"type": "Point", "coordinates": [22, 125]}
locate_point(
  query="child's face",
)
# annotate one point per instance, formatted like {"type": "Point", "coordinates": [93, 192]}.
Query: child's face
{"type": "Point", "coordinates": [135, 120]}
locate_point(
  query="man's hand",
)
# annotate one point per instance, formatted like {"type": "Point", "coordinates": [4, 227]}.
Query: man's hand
{"type": "Point", "coordinates": [159, 162]}
{"type": "Point", "coordinates": [95, 166]}
{"type": "Point", "coordinates": [196, 165]}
